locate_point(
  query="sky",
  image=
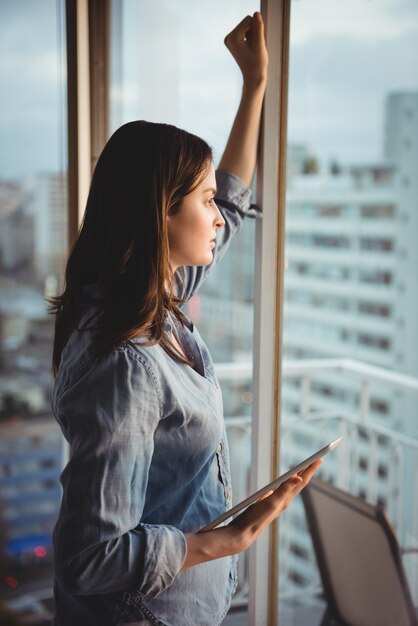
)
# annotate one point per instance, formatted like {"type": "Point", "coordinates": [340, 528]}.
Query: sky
{"type": "Point", "coordinates": [32, 106]}
{"type": "Point", "coordinates": [169, 63]}
{"type": "Point", "coordinates": [345, 58]}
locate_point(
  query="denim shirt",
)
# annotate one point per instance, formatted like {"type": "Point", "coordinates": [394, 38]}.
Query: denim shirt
{"type": "Point", "coordinates": [149, 462]}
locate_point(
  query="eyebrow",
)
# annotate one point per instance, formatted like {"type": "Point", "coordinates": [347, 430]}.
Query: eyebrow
{"type": "Point", "coordinates": [212, 189]}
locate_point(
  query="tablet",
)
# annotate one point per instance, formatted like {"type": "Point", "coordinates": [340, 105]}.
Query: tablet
{"type": "Point", "coordinates": [271, 486]}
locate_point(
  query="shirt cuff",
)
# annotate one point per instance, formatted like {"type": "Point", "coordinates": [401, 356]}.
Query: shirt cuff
{"type": "Point", "coordinates": [233, 191]}
{"type": "Point", "coordinates": [165, 553]}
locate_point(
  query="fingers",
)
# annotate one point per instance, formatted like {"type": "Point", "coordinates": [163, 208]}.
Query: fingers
{"type": "Point", "coordinates": [282, 497]}
{"type": "Point", "coordinates": [269, 506]}
{"type": "Point", "coordinates": [249, 29]}
{"type": "Point", "coordinates": [243, 26]}
{"type": "Point", "coordinates": [288, 487]}
{"type": "Point", "coordinates": [291, 483]}
{"type": "Point", "coordinates": [306, 476]}
{"type": "Point", "coordinates": [292, 487]}
{"type": "Point", "coordinates": [238, 34]}
{"type": "Point", "coordinates": [307, 473]}
{"type": "Point", "coordinates": [266, 495]}
{"type": "Point", "coordinates": [247, 45]}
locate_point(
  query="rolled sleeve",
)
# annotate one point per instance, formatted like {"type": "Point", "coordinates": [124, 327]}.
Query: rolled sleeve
{"type": "Point", "coordinates": [233, 198]}
{"type": "Point", "coordinates": [233, 193]}
{"type": "Point", "coordinates": [100, 545]}
{"type": "Point", "coordinates": [165, 553]}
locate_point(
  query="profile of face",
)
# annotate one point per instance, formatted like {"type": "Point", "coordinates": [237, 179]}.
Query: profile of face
{"type": "Point", "coordinates": [192, 229]}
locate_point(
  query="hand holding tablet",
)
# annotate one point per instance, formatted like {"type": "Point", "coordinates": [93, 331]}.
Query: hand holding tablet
{"type": "Point", "coordinates": [271, 487]}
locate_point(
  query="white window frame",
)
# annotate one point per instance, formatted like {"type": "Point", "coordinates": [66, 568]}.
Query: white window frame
{"type": "Point", "coordinates": [87, 24]}
{"type": "Point", "coordinates": [78, 106]}
{"type": "Point", "coordinates": [268, 307]}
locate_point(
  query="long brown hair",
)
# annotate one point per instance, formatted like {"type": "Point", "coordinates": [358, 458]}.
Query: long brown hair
{"type": "Point", "coordinates": [143, 173]}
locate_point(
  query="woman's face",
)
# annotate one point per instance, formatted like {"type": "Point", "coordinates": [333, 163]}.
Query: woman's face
{"type": "Point", "coordinates": [192, 230]}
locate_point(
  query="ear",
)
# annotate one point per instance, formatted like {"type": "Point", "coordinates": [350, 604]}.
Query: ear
{"type": "Point", "coordinates": [174, 210]}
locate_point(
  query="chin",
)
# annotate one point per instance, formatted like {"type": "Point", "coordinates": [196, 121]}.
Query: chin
{"type": "Point", "coordinates": [197, 260]}
{"type": "Point", "coordinates": [208, 260]}
{"type": "Point", "coordinates": [202, 261]}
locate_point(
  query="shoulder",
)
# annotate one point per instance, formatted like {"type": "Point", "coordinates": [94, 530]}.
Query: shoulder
{"type": "Point", "coordinates": [125, 372]}
{"type": "Point", "coordinates": [143, 360]}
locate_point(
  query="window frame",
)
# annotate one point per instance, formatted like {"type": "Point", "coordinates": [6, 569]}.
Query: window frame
{"type": "Point", "coordinates": [268, 306]}
{"type": "Point", "coordinates": [87, 27]}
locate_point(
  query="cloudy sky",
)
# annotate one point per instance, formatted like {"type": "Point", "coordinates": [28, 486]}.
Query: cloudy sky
{"type": "Point", "coordinates": [346, 57]}
{"type": "Point", "coordinates": [31, 104]}
{"type": "Point", "coordinates": [169, 63]}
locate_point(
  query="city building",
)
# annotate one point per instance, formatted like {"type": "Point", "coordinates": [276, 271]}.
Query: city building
{"type": "Point", "coordinates": [30, 493]}
{"type": "Point", "coordinates": [45, 198]}
{"type": "Point", "coordinates": [16, 230]}
{"type": "Point", "coordinates": [350, 289]}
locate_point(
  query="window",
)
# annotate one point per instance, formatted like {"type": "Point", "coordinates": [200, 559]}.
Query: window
{"type": "Point", "coordinates": [351, 274]}
{"type": "Point", "coordinates": [374, 308]}
{"type": "Point", "coordinates": [33, 245]}
{"type": "Point", "coordinates": [374, 341]}
{"type": "Point", "coordinates": [378, 211]}
{"type": "Point", "coordinates": [381, 245]}
{"type": "Point", "coordinates": [163, 68]}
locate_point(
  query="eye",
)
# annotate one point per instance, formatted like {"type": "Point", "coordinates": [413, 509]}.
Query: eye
{"type": "Point", "coordinates": [211, 201]}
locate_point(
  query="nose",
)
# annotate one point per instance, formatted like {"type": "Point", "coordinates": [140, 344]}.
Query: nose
{"type": "Point", "coordinates": [219, 220]}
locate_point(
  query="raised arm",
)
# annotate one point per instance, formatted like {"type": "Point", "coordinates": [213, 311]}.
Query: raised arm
{"type": "Point", "coordinates": [247, 45]}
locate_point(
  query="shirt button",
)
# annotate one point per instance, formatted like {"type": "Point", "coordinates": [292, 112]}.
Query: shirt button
{"type": "Point", "coordinates": [219, 448]}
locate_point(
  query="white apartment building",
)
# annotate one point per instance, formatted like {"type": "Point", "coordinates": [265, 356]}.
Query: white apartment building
{"type": "Point", "coordinates": [351, 290]}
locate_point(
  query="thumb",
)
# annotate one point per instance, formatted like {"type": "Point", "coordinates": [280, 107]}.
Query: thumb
{"type": "Point", "coordinates": [257, 28]}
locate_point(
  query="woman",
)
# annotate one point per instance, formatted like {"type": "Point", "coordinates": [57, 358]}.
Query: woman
{"type": "Point", "coordinates": [136, 394]}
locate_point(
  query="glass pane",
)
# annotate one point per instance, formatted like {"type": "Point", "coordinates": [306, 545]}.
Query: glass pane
{"type": "Point", "coordinates": [169, 64]}
{"type": "Point", "coordinates": [33, 242]}
{"type": "Point", "coordinates": [351, 286]}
